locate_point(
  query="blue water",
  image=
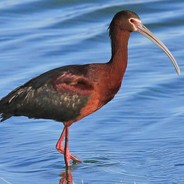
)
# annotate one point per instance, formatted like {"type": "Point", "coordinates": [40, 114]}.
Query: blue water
{"type": "Point", "coordinates": [138, 136]}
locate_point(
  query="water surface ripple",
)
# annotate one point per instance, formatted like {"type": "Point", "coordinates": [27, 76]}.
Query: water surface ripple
{"type": "Point", "coordinates": [136, 137]}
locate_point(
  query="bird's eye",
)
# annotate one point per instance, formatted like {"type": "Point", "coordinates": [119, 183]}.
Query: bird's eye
{"type": "Point", "coordinates": [132, 20]}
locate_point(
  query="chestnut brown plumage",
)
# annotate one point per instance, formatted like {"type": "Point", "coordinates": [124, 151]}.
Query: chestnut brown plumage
{"type": "Point", "coordinates": [69, 93]}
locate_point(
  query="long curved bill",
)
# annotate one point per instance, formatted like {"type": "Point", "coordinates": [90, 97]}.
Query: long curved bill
{"type": "Point", "coordinates": [146, 32]}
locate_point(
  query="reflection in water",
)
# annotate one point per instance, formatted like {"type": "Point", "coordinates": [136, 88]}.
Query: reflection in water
{"type": "Point", "coordinates": [66, 177]}
{"type": "Point", "coordinates": [146, 117]}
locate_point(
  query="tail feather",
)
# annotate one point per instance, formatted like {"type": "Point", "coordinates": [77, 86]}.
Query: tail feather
{"type": "Point", "coordinates": [5, 108]}
{"type": "Point", "coordinates": [9, 103]}
{"type": "Point", "coordinates": [3, 117]}
{"type": "Point", "coordinates": [3, 114]}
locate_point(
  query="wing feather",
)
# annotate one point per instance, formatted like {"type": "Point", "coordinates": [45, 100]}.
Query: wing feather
{"type": "Point", "coordinates": [59, 94]}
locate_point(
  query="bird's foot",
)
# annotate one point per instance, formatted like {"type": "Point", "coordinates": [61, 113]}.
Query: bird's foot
{"type": "Point", "coordinates": [71, 156]}
{"type": "Point", "coordinates": [68, 156]}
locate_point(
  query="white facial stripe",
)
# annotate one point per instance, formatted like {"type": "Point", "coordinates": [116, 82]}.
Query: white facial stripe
{"type": "Point", "coordinates": [134, 22]}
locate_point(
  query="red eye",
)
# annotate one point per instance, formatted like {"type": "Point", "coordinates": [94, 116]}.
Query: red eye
{"type": "Point", "coordinates": [132, 20]}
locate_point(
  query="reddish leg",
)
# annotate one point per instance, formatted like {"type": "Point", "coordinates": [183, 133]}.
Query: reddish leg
{"type": "Point", "coordinates": [59, 145]}
{"type": "Point", "coordinates": [65, 150]}
{"type": "Point", "coordinates": [67, 155]}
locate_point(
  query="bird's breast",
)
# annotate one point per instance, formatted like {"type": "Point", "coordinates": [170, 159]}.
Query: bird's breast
{"type": "Point", "coordinates": [109, 94]}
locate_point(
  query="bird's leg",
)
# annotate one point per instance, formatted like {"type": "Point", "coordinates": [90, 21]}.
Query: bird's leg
{"type": "Point", "coordinates": [66, 150]}
{"type": "Point", "coordinates": [60, 148]}
{"type": "Point", "coordinates": [59, 145]}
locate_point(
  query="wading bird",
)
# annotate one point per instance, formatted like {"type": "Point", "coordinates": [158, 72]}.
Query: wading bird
{"type": "Point", "coordinates": [69, 93]}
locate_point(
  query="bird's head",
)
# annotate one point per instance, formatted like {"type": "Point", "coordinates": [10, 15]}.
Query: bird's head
{"type": "Point", "coordinates": [127, 20]}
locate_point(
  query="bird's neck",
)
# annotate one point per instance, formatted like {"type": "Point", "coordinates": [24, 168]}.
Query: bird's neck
{"type": "Point", "coordinates": [118, 61]}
